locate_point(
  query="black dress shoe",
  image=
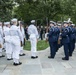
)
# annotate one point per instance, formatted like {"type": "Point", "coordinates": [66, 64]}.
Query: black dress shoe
{"type": "Point", "coordinates": [64, 58]}
{"type": "Point", "coordinates": [16, 64]}
{"type": "Point", "coordinates": [10, 59]}
{"type": "Point", "coordinates": [22, 54]}
{"type": "Point", "coordinates": [36, 57]}
{"type": "Point", "coordinates": [50, 57]}
{"type": "Point", "coordinates": [33, 57]}
{"type": "Point", "coordinates": [2, 56]}
{"type": "Point", "coordinates": [70, 55]}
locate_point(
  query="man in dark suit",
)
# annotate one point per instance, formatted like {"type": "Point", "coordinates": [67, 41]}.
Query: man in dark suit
{"type": "Point", "coordinates": [41, 32]}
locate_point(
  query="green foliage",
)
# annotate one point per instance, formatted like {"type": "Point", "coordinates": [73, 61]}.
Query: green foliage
{"type": "Point", "coordinates": [40, 10]}
{"type": "Point", "coordinates": [68, 9]}
{"type": "Point", "coordinates": [6, 7]}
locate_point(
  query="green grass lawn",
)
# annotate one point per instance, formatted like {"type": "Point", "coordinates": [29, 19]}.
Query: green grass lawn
{"type": "Point", "coordinates": [41, 45]}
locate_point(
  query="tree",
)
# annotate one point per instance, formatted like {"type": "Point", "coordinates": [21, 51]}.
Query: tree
{"type": "Point", "coordinates": [38, 9]}
{"type": "Point", "coordinates": [68, 9]}
{"type": "Point", "coordinates": [6, 7]}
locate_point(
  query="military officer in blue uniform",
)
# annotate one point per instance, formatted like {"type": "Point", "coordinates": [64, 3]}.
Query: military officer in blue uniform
{"type": "Point", "coordinates": [57, 31]}
{"type": "Point", "coordinates": [65, 40]}
{"type": "Point", "coordinates": [72, 38]}
{"type": "Point", "coordinates": [52, 38]}
{"type": "Point", "coordinates": [75, 34]}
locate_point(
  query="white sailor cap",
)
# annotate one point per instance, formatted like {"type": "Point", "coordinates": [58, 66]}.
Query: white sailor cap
{"type": "Point", "coordinates": [59, 24]}
{"type": "Point", "coordinates": [33, 21]}
{"type": "Point", "coordinates": [6, 23]}
{"type": "Point", "coordinates": [14, 20]}
{"type": "Point", "coordinates": [73, 24]}
{"type": "Point", "coordinates": [52, 22]}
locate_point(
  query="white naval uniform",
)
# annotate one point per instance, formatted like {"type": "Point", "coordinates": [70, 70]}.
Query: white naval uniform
{"type": "Point", "coordinates": [32, 31]}
{"type": "Point", "coordinates": [8, 46]}
{"type": "Point", "coordinates": [4, 43]}
{"type": "Point", "coordinates": [23, 36]}
{"type": "Point", "coordinates": [15, 41]}
{"type": "Point", "coordinates": [1, 40]}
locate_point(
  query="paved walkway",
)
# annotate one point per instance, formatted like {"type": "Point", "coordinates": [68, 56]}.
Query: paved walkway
{"type": "Point", "coordinates": [40, 66]}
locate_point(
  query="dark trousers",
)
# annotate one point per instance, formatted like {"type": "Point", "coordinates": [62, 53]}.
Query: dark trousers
{"type": "Point", "coordinates": [41, 36]}
{"type": "Point", "coordinates": [66, 50]}
{"type": "Point", "coordinates": [53, 47]}
{"type": "Point", "coordinates": [27, 36]}
{"type": "Point", "coordinates": [57, 46]}
{"type": "Point", "coordinates": [71, 47]}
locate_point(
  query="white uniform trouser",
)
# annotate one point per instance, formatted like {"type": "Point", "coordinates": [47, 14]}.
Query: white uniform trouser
{"type": "Point", "coordinates": [15, 48]}
{"type": "Point", "coordinates": [4, 46]}
{"type": "Point", "coordinates": [1, 48]}
{"type": "Point", "coordinates": [8, 50]}
{"type": "Point", "coordinates": [16, 51]}
{"type": "Point", "coordinates": [21, 50]}
{"type": "Point", "coordinates": [33, 41]}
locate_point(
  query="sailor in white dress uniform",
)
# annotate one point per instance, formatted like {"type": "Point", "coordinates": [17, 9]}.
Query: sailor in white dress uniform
{"type": "Point", "coordinates": [32, 31]}
{"type": "Point", "coordinates": [21, 28]}
{"type": "Point", "coordinates": [1, 40]}
{"type": "Point", "coordinates": [15, 41]}
{"type": "Point", "coordinates": [7, 38]}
